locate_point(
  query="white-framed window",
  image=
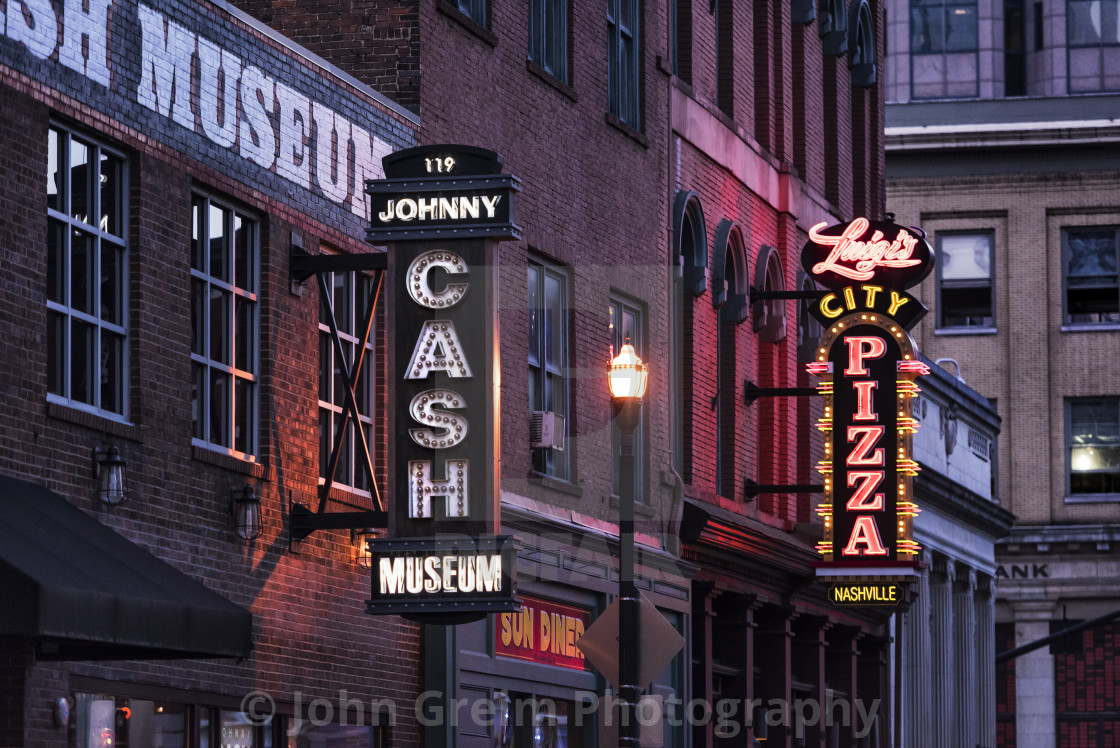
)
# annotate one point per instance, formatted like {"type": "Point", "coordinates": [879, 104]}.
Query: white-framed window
{"type": "Point", "coordinates": [548, 36]}
{"type": "Point", "coordinates": [1093, 446]}
{"type": "Point", "coordinates": [623, 68]}
{"type": "Point", "coordinates": [548, 359]}
{"type": "Point", "coordinates": [1093, 33]}
{"type": "Point", "coordinates": [1089, 260]}
{"type": "Point", "coordinates": [627, 323]}
{"type": "Point", "coordinates": [944, 39]}
{"type": "Point", "coordinates": [350, 298]}
{"type": "Point", "coordinates": [87, 274]}
{"type": "Point", "coordinates": [965, 288]}
{"type": "Point", "coordinates": [225, 278]}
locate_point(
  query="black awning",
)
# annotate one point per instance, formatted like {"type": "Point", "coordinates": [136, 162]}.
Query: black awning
{"type": "Point", "coordinates": [82, 591]}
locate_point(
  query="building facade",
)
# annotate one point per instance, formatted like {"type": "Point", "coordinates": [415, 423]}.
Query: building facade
{"type": "Point", "coordinates": [158, 173]}
{"type": "Point", "coordinates": [1001, 124]}
{"type": "Point", "coordinates": [672, 158]}
{"type": "Point", "coordinates": [946, 639]}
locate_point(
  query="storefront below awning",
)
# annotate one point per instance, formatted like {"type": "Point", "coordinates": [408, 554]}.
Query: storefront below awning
{"type": "Point", "coordinates": [79, 590]}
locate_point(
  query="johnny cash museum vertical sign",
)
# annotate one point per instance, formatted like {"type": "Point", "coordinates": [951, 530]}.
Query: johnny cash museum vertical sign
{"type": "Point", "coordinates": [441, 210]}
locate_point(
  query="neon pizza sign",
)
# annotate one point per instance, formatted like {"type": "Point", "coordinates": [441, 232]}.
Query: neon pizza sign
{"type": "Point", "coordinates": [867, 364]}
{"type": "Point", "coordinates": [865, 251]}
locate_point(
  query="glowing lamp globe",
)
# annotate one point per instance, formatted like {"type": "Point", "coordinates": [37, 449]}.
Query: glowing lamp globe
{"type": "Point", "coordinates": [627, 374]}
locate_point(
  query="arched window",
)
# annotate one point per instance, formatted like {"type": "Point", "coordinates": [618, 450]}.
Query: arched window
{"type": "Point", "coordinates": [690, 258]}
{"type": "Point", "coordinates": [808, 328]}
{"type": "Point", "coordinates": [861, 43]}
{"type": "Point", "coordinates": [834, 27]}
{"type": "Point", "coordinates": [691, 239]}
{"type": "Point", "coordinates": [770, 314]}
{"type": "Point", "coordinates": [729, 294]}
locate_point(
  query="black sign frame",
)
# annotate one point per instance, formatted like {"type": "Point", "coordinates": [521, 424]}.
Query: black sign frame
{"type": "Point", "coordinates": [429, 607]}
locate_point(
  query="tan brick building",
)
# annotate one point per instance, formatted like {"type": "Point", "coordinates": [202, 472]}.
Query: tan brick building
{"type": "Point", "coordinates": [1016, 178]}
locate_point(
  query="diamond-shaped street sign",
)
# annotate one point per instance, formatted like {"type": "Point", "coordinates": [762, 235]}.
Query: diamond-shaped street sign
{"type": "Point", "coordinates": [658, 642]}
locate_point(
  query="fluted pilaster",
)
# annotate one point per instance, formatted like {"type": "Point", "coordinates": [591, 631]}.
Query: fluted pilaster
{"type": "Point", "coordinates": [942, 662]}
{"type": "Point", "coordinates": [916, 712]}
{"type": "Point", "coordinates": [986, 660]}
{"type": "Point", "coordinates": [966, 727]}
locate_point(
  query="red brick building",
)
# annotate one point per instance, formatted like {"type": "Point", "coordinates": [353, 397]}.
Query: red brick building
{"type": "Point", "coordinates": [150, 212]}
{"type": "Point", "coordinates": [672, 157]}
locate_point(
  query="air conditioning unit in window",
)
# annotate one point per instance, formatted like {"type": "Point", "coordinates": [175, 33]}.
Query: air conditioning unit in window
{"type": "Point", "coordinates": [546, 430]}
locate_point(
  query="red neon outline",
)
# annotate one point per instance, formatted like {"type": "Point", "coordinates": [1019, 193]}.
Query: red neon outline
{"type": "Point", "coordinates": [856, 355]}
{"type": "Point", "coordinates": [865, 531]}
{"type": "Point", "coordinates": [871, 479]}
{"type": "Point", "coordinates": [858, 455]}
{"type": "Point", "coordinates": [863, 400]}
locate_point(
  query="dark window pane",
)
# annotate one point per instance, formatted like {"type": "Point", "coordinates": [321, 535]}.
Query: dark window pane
{"type": "Point", "coordinates": [111, 195]}
{"type": "Point", "coordinates": [112, 372]}
{"type": "Point", "coordinates": [326, 434]}
{"type": "Point", "coordinates": [960, 29]}
{"type": "Point", "coordinates": [56, 262]}
{"type": "Point", "coordinates": [243, 416]}
{"type": "Point", "coordinates": [83, 360]}
{"type": "Point", "coordinates": [534, 317]}
{"type": "Point", "coordinates": [1092, 253]}
{"type": "Point", "coordinates": [219, 244]}
{"type": "Point", "coordinates": [55, 187]}
{"type": "Point", "coordinates": [362, 388]}
{"type": "Point", "coordinates": [220, 415]}
{"type": "Point", "coordinates": [198, 388]}
{"type": "Point", "coordinates": [198, 242]}
{"type": "Point", "coordinates": [326, 371]}
{"type": "Point", "coordinates": [925, 30]}
{"type": "Point", "coordinates": [112, 283]}
{"type": "Point", "coordinates": [245, 343]}
{"type": "Point", "coordinates": [56, 353]}
{"type": "Point", "coordinates": [82, 259]}
{"type": "Point", "coordinates": [966, 306]}
{"type": "Point", "coordinates": [343, 303]}
{"type": "Point", "coordinates": [81, 178]}
{"type": "Point", "coordinates": [361, 479]}
{"type": "Point", "coordinates": [198, 317]}
{"type": "Point", "coordinates": [219, 325]}
{"type": "Point", "coordinates": [553, 323]}
{"type": "Point", "coordinates": [243, 254]}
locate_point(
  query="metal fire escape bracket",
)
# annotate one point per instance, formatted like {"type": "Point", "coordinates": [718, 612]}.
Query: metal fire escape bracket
{"type": "Point", "coordinates": [752, 489]}
{"type": "Point", "coordinates": [757, 295]}
{"type": "Point", "coordinates": [752, 392]}
{"type": "Point", "coordinates": [301, 520]}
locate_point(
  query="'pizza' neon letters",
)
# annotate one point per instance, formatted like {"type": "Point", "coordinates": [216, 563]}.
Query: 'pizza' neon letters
{"type": "Point", "coordinates": [864, 539]}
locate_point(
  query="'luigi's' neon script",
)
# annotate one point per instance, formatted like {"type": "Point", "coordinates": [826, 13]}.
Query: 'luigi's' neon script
{"type": "Point", "coordinates": [863, 256]}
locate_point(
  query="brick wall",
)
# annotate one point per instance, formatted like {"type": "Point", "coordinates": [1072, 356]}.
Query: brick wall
{"type": "Point", "coordinates": [311, 634]}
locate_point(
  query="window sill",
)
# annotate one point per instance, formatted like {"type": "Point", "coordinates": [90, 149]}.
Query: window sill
{"type": "Point", "coordinates": [627, 130]}
{"type": "Point", "coordinates": [552, 80]}
{"type": "Point", "coordinates": [467, 22]}
{"type": "Point", "coordinates": [641, 509]}
{"type": "Point", "coordinates": [92, 420]}
{"type": "Point", "coordinates": [1102, 327]}
{"type": "Point", "coordinates": [1094, 498]}
{"type": "Point", "coordinates": [965, 331]}
{"type": "Point", "coordinates": [229, 462]}
{"type": "Point", "coordinates": [556, 484]}
{"type": "Point", "coordinates": [352, 497]}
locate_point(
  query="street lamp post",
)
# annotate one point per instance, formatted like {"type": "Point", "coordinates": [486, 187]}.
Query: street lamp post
{"type": "Point", "coordinates": [627, 377]}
